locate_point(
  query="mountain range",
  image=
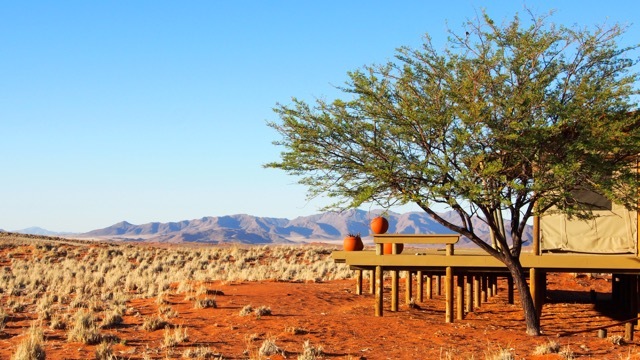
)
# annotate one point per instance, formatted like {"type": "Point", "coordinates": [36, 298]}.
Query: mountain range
{"type": "Point", "coordinates": [247, 229]}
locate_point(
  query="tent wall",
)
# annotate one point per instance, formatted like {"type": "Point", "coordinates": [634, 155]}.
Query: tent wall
{"type": "Point", "coordinates": [614, 230]}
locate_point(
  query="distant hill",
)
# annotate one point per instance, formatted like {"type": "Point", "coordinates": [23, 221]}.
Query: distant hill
{"type": "Point", "coordinates": [34, 230]}
{"type": "Point", "coordinates": [247, 229]}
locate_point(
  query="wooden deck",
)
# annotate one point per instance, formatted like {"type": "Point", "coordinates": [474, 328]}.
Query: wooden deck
{"type": "Point", "coordinates": [468, 274]}
{"type": "Point", "coordinates": [478, 261]}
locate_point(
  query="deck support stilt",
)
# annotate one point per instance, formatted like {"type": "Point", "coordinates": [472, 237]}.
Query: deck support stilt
{"type": "Point", "coordinates": [484, 285]}
{"type": "Point", "coordinates": [394, 290]}
{"type": "Point", "coordinates": [477, 299]}
{"type": "Point", "coordinates": [358, 282]}
{"type": "Point", "coordinates": [448, 283]}
{"type": "Point", "coordinates": [379, 290]}
{"type": "Point", "coordinates": [438, 286]}
{"type": "Point", "coordinates": [419, 286]}
{"type": "Point", "coordinates": [460, 297]}
{"type": "Point", "coordinates": [372, 282]}
{"type": "Point", "coordinates": [408, 288]}
{"type": "Point", "coordinates": [490, 288]}
{"type": "Point", "coordinates": [469, 293]}
{"type": "Point", "coordinates": [429, 286]}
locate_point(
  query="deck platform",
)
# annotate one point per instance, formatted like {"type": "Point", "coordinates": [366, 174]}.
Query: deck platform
{"type": "Point", "coordinates": [469, 273]}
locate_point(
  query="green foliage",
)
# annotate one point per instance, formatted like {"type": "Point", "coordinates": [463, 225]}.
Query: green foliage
{"type": "Point", "coordinates": [503, 118]}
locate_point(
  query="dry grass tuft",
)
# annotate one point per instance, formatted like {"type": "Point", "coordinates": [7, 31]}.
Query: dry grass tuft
{"type": "Point", "coordinates": [551, 347]}
{"type": "Point", "coordinates": [262, 311]}
{"type": "Point", "coordinates": [205, 303]}
{"type": "Point", "coordinates": [153, 323]}
{"type": "Point", "coordinates": [269, 347]}
{"type": "Point", "coordinates": [173, 337]}
{"type": "Point", "coordinates": [32, 347]}
{"type": "Point", "coordinates": [246, 310]}
{"type": "Point", "coordinates": [84, 329]}
{"type": "Point", "coordinates": [309, 352]}
{"type": "Point", "coordinates": [104, 351]}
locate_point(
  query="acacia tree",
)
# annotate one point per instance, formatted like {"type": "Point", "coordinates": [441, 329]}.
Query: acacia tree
{"type": "Point", "coordinates": [506, 120]}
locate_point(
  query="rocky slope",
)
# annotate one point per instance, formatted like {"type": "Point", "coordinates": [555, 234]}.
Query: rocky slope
{"type": "Point", "coordinates": [247, 229]}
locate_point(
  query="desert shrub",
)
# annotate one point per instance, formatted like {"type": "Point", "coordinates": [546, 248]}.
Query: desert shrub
{"type": "Point", "coordinates": [104, 351]}
{"type": "Point", "coordinates": [309, 352]}
{"type": "Point", "coordinates": [567, 353]}
{"type": "Point", "coordinates": [167, 311]}
{"type": "Point", "coordinates": [175, 336]}
{"type": "Point", "coordinates": [84, 329]}
{"type": "Point", "coordinates": [32, 347]}
{"type": "Point", "coordinates": [617, 340]}
{"type": "Point", "coordinates": [111, 318]}
{"type": "Point", "coordinates": [262, 311]}
{"type": "Point", "coordinates": [246, 310]}
{"type": "Point", "coordinates": [500, 354]}
{"type": "Point", "coordinates": [153, 323]}
{"type": "Point", "coordinates": [269, 347]}
{"type": "Point", "coordinates": [163, 298]}
{"type": "Point", "coordinates": [57, 323]}
{"type": "Point", "coordinates": [551, 347]}
{"type": "Point", "coordinates": [205, 303]}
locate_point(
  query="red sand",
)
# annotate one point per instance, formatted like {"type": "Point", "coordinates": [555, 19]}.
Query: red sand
{"type": "Point", "coordinates": [332, 316]}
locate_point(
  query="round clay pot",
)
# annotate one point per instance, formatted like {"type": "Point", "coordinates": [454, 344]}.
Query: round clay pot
{"type": "Point", "coordinates": [352, 243]}
{"type": "Point", "coordinates": [379, 225]}
{"type": "Point", "coordinates": [387, 249]}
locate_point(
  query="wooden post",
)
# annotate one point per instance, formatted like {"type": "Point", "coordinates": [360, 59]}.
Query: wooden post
{"type": "Point", "coordinates": [477, 299]}
{"type": "Point", "coordinates": [372, 282]}
{"type": "Point", "coordinates": [490, 292]}
{"type": "Point", "coordinates": [379, 284]}
{"type": "Point", "coordinates": [449, 249]}
{"type": "Point", "coordinates": [469, 293]}
{"type": "Point", "coordinates": [379, 290]}
{"type": "Point", "coordinates": [394, 290]}
{"type": "Point", "coordinates": [420, 286]}
{"type": "Point", "coordinates": [394, 282]}
{"type": "Point", "coordinates": [628, 331]}
{"type": "Point", "coordinates": [460, 297]}
{"type": "Point", "coordinates": [358, 282]}
{"type": "Point", "coordinates": [438, 286]}
{"type": "Point", "coordinates": [448, 282]}
{"type": "Point", "coordinates": [494, 285]}
{"type": "Point", "coordinates": [483, 281]}
{"type": "Point", "coordinates": [429, 286]}
{"type": "Point", "coordinates": [409, 288]}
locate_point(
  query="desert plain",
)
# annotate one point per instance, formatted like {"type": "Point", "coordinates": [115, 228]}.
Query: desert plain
{"type": "Point", "coordinates": [67, 299]}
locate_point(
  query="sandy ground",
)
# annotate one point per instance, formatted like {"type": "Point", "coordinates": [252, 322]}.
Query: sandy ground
{"type": "Point", "coordinates": [331, 315]}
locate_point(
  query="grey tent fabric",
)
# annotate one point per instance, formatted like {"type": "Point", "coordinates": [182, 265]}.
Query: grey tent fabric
{"type": "Point", "coordinates": [612, 231]}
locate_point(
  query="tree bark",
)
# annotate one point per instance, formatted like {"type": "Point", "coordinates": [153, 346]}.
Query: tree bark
{"type": "Point", "coordinates": [528, 307]}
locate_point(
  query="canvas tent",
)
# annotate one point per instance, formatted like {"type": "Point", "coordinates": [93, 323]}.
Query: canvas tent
{"type": "Point", "coordinates": [613, 230]}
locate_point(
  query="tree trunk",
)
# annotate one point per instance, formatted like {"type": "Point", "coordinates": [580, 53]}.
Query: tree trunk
{"type": "Point", "coordinates": [528, 307]}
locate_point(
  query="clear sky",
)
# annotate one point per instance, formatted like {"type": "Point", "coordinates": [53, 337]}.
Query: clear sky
{"type": "Point", "coordinates": [156, 110]}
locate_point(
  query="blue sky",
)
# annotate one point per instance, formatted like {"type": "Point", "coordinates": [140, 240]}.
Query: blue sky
{"type": "Point", "coordinates": [156, 111]}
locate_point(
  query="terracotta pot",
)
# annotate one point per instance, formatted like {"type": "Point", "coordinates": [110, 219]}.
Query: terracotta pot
{"type": "Point", "coordinates": [387, 249]}
{"type": "Point", "coordinates": [352, 243]}
{"type": "Point", "coordinates": [379, 225]}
